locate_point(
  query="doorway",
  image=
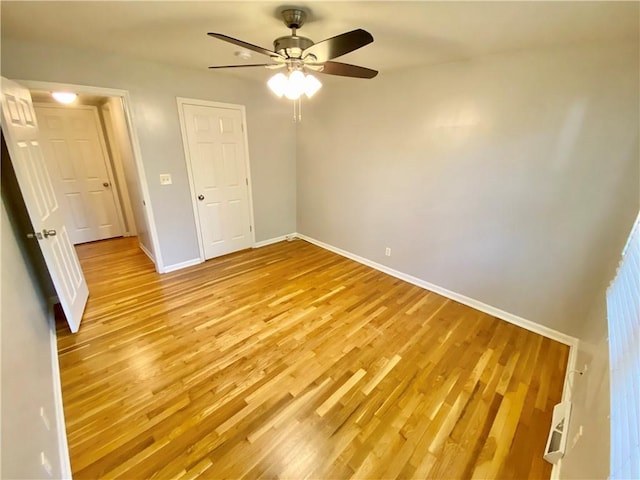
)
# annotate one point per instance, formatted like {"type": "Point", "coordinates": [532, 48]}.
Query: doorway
{"type": "Point", "coordinates": [73, 142]}
{"type": "Point", "coordinates": [126, 178]}
{"type": "Point", "coordinates": [214, 136]}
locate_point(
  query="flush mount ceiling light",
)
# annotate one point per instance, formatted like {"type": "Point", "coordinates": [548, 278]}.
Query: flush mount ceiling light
{"type": "Point", "coordinates": [64, 97]}
{"type": "Point", "coordinates": [300, 55]}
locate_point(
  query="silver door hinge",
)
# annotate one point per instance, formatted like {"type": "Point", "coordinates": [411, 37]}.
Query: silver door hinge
{"type": "Point", "coordinates": [250, 228]}
{"type": "Point", "coordinates": [246, 180]}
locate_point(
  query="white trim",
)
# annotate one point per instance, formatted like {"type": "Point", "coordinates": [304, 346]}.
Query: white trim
{"type": "Point", "coordinates": [567, 395]}
{"type": "Point", "coordinates": [147, 252]}
{"type": "Point", "coordinates": [107, 161]}
{"type": "Point", "coordinates": [181, 265]}
{"type": "Point", "coordinates": [245, 132]}
{"type": "Point", "coordinates": [572, 342]}
{"type": "Point", "coordinates": [470, 302]}
{"type": "Point", "coordinates": [156, 258]}
{"type": "Point", "coordinates": [181, 101]}
{"type": "Point", "coordinates": [635, 226]}
{"type": "Point", "coordinates": [107, 117]}
{"type": "Point", "coordinates": [271, 241]}
{"type": "Point", "coordinates": [567, 391]}
{"type": "Point", "coordinates": [61, 429]}
{"type": "Point", "coordinates": [135, 144]}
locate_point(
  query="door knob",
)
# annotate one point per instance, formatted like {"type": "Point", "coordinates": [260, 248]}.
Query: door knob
{"type": "Point", "coordinates": [200, 197]}
{"type": "Point", "coordinates": [48, 233]}
{"type": "Point", "coordinates": [105, 184]}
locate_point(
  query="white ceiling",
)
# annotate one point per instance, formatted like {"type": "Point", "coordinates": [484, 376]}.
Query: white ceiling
{"type": "Point", "coordinates": [406, 34]}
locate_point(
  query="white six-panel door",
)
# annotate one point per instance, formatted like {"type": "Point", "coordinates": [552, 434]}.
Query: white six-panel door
{"type": "Point", "coordinates": [216, 151]}
{"type": "Point", "coordinates": [20, 129]}
{"type": "Point", "coordinates": [75, 150]}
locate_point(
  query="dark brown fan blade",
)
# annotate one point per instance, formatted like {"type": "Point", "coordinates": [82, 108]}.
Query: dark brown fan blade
{"type": "Point", "coordinates": [347, 70]}
{"type": "Point", "coordinates": [242, 66]}
{"type": "Point", "coordinates": [246, 45]}
{"type": "Point", "coordinates": [339, 45]}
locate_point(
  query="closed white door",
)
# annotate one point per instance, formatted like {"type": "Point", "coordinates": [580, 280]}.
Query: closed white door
{"type": "Point", "coordinates": [20, 130]}
{"type": "Point", "coordinates": [216, 153]}
{"type": "Point", "coordinates": [74, 147]}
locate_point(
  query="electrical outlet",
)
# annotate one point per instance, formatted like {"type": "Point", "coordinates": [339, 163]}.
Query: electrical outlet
{"type": "Point", "coordinates": [387, 251]}
{"type": "Point", "coordinates": [165, 179]}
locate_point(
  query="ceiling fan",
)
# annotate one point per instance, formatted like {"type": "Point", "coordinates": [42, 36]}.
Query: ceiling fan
{"type": "Point", "coordinates": [300, 55]}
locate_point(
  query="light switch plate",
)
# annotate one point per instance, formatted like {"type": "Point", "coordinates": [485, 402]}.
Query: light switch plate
{"type": "Point", "coordinates": [165, 179]}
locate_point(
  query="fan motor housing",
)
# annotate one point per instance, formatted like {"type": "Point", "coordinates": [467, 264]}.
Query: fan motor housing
{"type": "Point", "coordinates": [292, 45]}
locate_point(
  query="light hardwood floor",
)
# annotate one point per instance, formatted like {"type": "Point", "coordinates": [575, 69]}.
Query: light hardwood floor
{"type": "Point", "coordinates": [289, 361]}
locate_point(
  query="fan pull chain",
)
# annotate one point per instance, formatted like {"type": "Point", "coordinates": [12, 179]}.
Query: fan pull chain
{"type": "Point", "coordinates": [297, 110]}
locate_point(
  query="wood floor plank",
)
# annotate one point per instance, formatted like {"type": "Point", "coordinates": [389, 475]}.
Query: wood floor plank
{"type": "Point", "coordinates": [290, 361]}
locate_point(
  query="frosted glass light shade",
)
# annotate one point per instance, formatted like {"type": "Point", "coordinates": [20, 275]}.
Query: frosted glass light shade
{"type": "Point", "coordinates": [296, 85]}
{"type": "Point", "coordinates": [278, 84]}
{"type": "Point", "coordinates": [293, 86]}
{"type": "Point", "coordinates": [64, 97]}
{"type": "Point", "coordinates": [311, 85]}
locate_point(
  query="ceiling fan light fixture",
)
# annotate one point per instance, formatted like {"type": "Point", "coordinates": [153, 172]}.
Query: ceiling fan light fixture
{"type": "Point", "coordinates": [295, 85]}
{"type": "Point", "coordinates": [64, 97]}
{"type": "Point", "coordinates": [311, 85]}
{"type": "Point", "coordinates": [278, 84]}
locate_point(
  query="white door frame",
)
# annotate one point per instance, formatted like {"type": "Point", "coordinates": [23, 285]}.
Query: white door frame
{"type": "Point", "coordinates": [123, 191]}
{"type": "Point", "coordinates": [183, 128]}
{"type": "Point", "coordinates": [103, 148]}
{"type": "Point", "coordinates": [137, 153]}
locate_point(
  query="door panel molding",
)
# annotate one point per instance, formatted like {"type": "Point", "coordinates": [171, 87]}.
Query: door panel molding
{"type": "Point", "coordinates": [182, 101]}
{"type": "Point", "coordinates": [97, 211]}
{"type": "Point", "coordinates": [20, 131]}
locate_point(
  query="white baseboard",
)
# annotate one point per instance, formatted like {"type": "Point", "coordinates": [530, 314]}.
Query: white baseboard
{"type": "Point", "coordinates": [271, 241]}
{"type": "Point", "coordinates": [470, 302]}
{"type": "Point", "coordinates": [567, 397]}
{"type": "Point", "coordinates": [61, 429]}
{"type": "Point", "coordinates": [147, 252]}
{"type": "Point", "coordinates": [572, 342]}
{"type": "Point", "coordinates": [181, 265]}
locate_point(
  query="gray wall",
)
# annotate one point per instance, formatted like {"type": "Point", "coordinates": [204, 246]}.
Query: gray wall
{"type": "Point", "coordinates": [26, 365]}
{"type": "Point", "coordinates": [154, 88]}
{"type": "Point", "coordinates": [510, 179]}
{"type": "Point", "coordinates": [589, 457]}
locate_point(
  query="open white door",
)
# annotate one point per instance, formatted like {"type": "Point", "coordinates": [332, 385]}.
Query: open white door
{"type": "Point", "coordinates": [21, 134]}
